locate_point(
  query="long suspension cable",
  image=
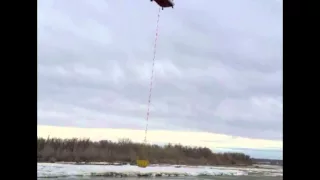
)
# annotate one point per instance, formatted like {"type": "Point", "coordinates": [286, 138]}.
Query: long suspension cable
{"type": "Point", "coordinates": [152, 74]}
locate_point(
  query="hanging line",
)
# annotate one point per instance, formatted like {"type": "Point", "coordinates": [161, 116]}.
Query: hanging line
{"type": "Point", "coordinates": [152, 74]}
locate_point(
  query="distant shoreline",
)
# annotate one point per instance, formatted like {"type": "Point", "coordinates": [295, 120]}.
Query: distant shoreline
{"type": "Point", "coordinates": [85, 151]}
{"type": "Point", "coordinates": [256, 166]}
{"type": "Point", "coordinates": [126, 163]}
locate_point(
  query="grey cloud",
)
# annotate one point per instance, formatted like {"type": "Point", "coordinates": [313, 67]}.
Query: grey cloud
{"type": "Point", "coordinates": [218, 65]}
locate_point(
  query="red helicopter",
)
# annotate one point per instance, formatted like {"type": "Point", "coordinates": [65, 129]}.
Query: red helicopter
{"type": "Point", "coordinates": [164, 3]}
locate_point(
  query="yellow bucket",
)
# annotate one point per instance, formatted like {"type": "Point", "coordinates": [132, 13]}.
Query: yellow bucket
{"type": "Point", "coordinates": [142, 163]}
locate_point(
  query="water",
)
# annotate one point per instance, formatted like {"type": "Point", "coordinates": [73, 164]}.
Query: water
{"type": "Point", "coordinates": [159, 172]}
{"type": "Point", "coordinates": [175, 178]}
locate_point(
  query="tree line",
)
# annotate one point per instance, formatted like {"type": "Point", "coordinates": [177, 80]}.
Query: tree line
{"type": "Point", "coordinates": [126, 151]}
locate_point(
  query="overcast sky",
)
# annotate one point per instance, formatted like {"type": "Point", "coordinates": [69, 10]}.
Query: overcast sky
{"type": "Point", "coordinates": [218, 65]}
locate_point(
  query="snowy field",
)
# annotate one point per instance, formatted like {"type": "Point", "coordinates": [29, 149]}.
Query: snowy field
{"type": "Point", "coordinates": [49, 170]}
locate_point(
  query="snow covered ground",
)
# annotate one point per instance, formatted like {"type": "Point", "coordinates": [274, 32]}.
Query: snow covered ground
{"type": "Point", "coordinates": [50, 170]}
